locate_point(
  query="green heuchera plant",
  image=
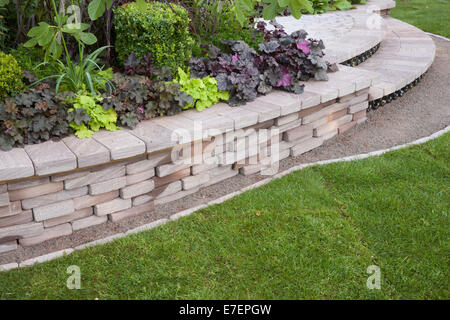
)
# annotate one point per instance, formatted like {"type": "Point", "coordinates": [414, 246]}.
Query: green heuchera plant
{"type": "Point", "coordinates": [87, 116]}
{"type": "Point", "coordinates": [203, 90]}
{"type": "Point", "coordinates": [10, 76]}
{"type": "Point", "coordinates": [161, 29]}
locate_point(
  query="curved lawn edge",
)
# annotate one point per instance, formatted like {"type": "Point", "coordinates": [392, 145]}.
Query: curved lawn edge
{"type": "Point", "coordinates": [187, 212]}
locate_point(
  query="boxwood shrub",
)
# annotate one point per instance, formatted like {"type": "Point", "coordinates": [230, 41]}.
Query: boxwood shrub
{"type": "Point", "coordinates": [10, 76]}
{"type": "Point", "coordinates": [160, 29]}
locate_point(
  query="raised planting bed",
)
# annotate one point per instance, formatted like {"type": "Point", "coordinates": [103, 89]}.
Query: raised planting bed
{"type": "Point", "coordinates": [58, 187]}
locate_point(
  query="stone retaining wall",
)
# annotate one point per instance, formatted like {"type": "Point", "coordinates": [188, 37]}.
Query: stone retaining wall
{"type": "Point", "coordinates": [41, 208]}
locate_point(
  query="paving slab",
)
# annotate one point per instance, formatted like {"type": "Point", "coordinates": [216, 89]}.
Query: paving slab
{"type": "Point", "coordinates": [89, 152]}
{"type": "Point", "coordinates": [121, 144]}
{"type": "Point", "coordinates": [51, 157]}
{"type": "Point", "coordinates": [156, 137]}
{"type": "Point", "coordinates": [15, 164]}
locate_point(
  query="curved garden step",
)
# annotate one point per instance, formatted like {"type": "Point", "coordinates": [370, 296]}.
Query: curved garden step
{"type": "Point", "coordinates": [404, 55]}
{"type": "Point", "coordinates": [346, 34]}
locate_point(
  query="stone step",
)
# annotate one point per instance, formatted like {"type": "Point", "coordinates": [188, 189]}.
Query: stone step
{"type": "Point", "coordinates": [404, 55]}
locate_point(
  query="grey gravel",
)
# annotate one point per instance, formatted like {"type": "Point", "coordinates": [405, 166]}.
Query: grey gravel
{"type": "Point", "coordinates": [420, 112]}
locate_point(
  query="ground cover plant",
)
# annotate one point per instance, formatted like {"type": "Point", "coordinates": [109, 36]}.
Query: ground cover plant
{"type": "Point", "coordinates": [310, 235]}
{"type": "Point", "coordinates": [139, 59]}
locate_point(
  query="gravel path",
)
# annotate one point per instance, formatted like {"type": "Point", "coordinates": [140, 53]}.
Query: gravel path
{"type": "Point", "coordinates": [420, 112]}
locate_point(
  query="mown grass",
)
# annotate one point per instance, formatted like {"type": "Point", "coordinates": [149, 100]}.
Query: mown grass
{"type": "Point", "coordinates": [429, 15]}
{"type": "Point", "coordinates": [309, 235]}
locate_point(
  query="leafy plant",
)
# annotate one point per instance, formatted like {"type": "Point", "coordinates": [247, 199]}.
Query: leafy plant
{"type": "Point", "coordinates": [10, 76]}
{"type": "Point", "coordinates": [136, 98]}
{"type": "Point", "coordinates": [32, 117]}
{"type": "Point", "coordinates": [235, 72]}
{"type": "Point", "coordinates": [29, 58]}
{"type": "Point", "coordinates": [133, 65]}
{"type": "Point", "coordinates": [87, 116]}
{"type": "Point", "coordinates": [70, 75]}
{"type": "Point", "coordinates": [284, 61]}
{"type": "Point", "coordinates": [76, 76]}
{"type": "Point", "coordinates": [245, 8]}
{"type": "Point", "coordinates": [289, 59]}
{"type": "Point", "coordinates": [203, 90]}
{"type": "Point", "coordinates": [52, 37]}
{"type": "Point", "coordinates": [161, 29]}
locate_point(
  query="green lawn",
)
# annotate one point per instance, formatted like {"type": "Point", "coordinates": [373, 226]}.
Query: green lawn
{"type": "Point", "coordinates": [429, 15]}
{"type": "Point", "coordinates": [309, 235]}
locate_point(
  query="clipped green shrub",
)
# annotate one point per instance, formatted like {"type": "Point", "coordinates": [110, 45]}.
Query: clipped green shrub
{"type": "Point", "coordinates": [160, 29]}
{"type": "Point", "coordinates": [10, 76]}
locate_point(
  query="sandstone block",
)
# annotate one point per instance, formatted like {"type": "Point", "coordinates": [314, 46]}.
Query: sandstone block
{"type": "Point", "coordinates": [359, 115]}
{"type": "Point", "coordinates": [13, 209]}
{"type": "Point", "coordinates": [160, 181]}
{"type": "Point", "coordinates": [21, 218]}
{"type": "Point", "coordinates": [54, 210]}
{"type": "Point", "coordinates": [167, 190]}
{"type": "Point", "coordinates": [139, 177]}
{"type": "Point", "coordinates": [54, 197]}
{"type": "Point", "coordinates": [79, 214]}
{"type": "Point", "coordinates": [137, 189]}
{"type": "Point", "coordinates": [192, 182]}
{"type": "Point", "coordinates": [346, 126]}
{"type": "Point", "coordinates": [8, 246]}
{"type": "Point", "coordinates": [306, 146]}
{"type": "Point", "coordinates": [145, 208]}
{"type": "Point", "coordinates": [20, 231]}
{"type": "Point", "coordinates": [51, 157]}
{"type": "Point", "coordinates": [286, 119]}
{"type": "Point", "coordinates": [27, 183]}
{"type": "Point", "coordinates": [15, 164]}
{"type": "Point", "coordinates": [297, 133]}
{"type": "Point", "coordinates": [100, 175]}
{"type": "Point", "coordinates": [141, 166]}
{"type": "Point", "coordinates": [358, 107]}
{"type": "Point", "coordinates": [4, 199]}
{"type": "Point", "coordinates": [89, 201]}
{"type": "Point", "coordinates": [49, 233]}
{"type": "Point", "coordinates": [88, 222]}
{"type": "Point", "coordinates": [36, 191]}
{"type": "Point", "coordinates": [168, 169]}
{"type": "Point", "coordinates": [107, 186]}
{"type": "Point", "coordinates": [112, 206]}
{"type": "Point", "coordinates": [331, 126]}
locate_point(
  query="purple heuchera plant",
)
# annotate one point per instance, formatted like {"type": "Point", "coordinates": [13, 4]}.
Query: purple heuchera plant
{"type": "Point", "coordinates": [285, 80]}
{"type": "Point", "coordinates": [283, 61]}
{"type": "Point", "coordinates": [304, 46]}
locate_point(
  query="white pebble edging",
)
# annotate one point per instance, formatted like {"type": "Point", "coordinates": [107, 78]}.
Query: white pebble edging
{"type": "Point", "coordinates": [45, 257]}
{"type": "Point", "coordinates": [437, 36]}
{"type": "Point", "coordinates": [188, 212]}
